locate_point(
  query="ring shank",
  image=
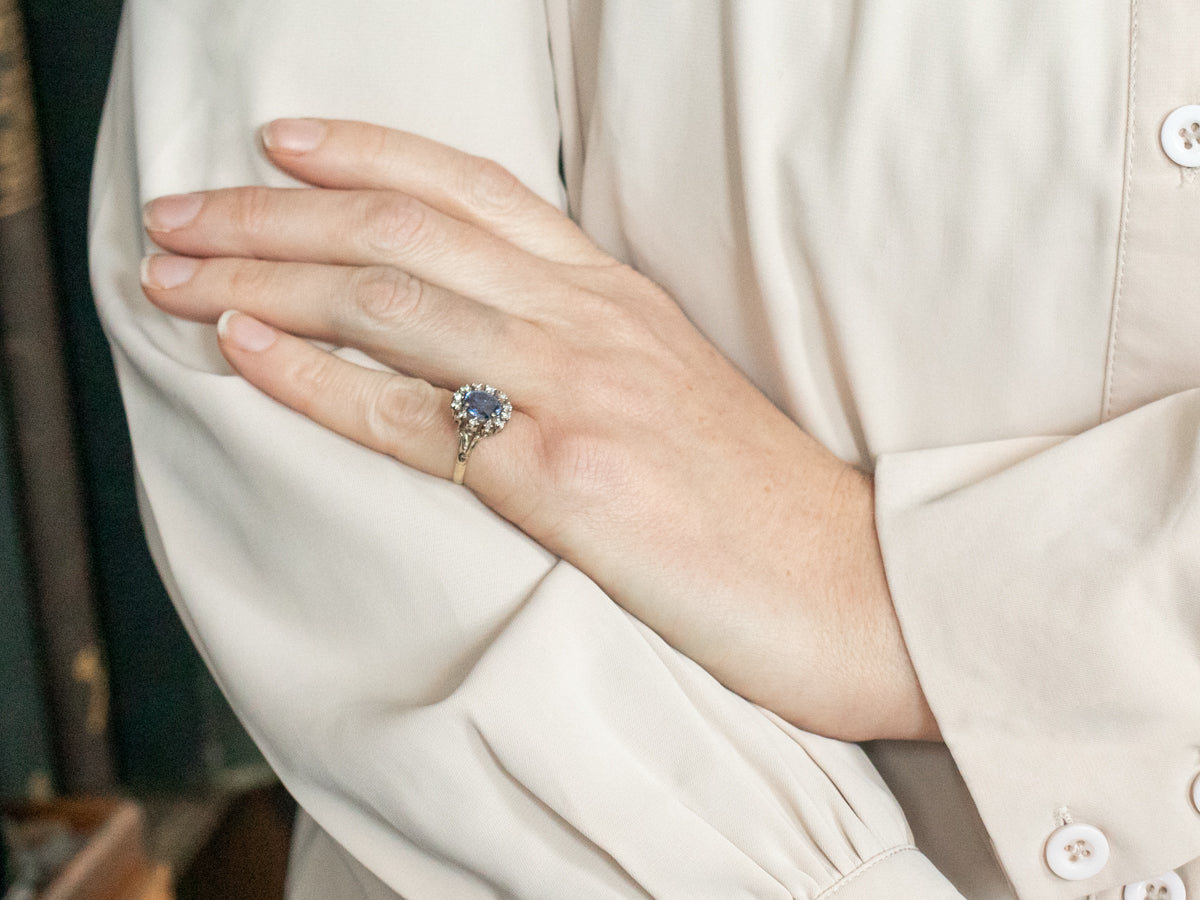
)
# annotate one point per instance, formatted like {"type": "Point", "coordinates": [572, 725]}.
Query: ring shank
{"type": "Point", "coordinates": [466, 443]}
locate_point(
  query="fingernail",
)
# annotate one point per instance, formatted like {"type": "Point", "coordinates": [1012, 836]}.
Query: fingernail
{"type": "Point", "coordinates": [162, 270]}
{"type": "Point", "coordinates": [244, 332]}
{"type": "Point", "coordinates": [293, 135]}
{"type": "Point", "coordinates": [169, 213]}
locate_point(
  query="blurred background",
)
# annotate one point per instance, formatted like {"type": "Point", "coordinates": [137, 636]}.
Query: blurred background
{"type": "Point", "coordinates": [112, 733]}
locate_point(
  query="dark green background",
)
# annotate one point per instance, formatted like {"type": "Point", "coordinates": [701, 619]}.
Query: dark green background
{"type": "Point", "coordinates": [171, 725]}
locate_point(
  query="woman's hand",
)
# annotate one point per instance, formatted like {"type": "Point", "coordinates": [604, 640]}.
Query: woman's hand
{"type": "Point", "coordinates": [635, 450]}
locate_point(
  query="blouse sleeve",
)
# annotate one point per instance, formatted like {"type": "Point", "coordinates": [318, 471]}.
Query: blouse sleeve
{"type": "Point", "coordinates": [461, 712]}
{"type": "Point", "coordinates": [1048, 592]}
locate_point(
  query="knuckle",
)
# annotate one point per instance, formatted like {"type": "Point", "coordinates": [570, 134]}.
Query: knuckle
{"type": "Point", "coordinates": [602, 309]}
{"type": "Point", "coordinates": [385, 295]}
{"type": "Point", "coordinates": [249, 279]}
{"type": "Point", "coordinates": [392, 223]}
{"type": "Point", "coordinates": [253, 211]}
{"type": "Point", "coordinates": [489, 188]}
{"type": "Point", "coordinates": [397, 407]}
{"type": "Point", "coordinates": [378, 148]}
{"type": "Point", "coordinates": [582, 467]}
{"type": "Point", "coordinates": [310, 379]}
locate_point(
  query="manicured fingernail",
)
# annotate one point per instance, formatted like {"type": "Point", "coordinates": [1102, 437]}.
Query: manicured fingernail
{"type": "Point", "coordinates": [169, 213]}
{"type": "Point", "coordinates": [245, 332]}
{"type": "Point", "coordinates": [293, 135]}
{"type": "Point", "coordinates": [162, 270]}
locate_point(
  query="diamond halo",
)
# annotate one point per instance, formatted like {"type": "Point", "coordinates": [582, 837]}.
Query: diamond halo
{"type": "Point", "coordinates": [480, 409]}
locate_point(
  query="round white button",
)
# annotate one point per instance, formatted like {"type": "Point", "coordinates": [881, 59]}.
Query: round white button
{"type": "Point", "coordinates": [1164, 887]}
{"type": "Point", "coordinates": [1196, 793]}
{"type": "Point", "coordinates": [1076, 852]}
{"type": "Point", "coordinates": [1181, 136]}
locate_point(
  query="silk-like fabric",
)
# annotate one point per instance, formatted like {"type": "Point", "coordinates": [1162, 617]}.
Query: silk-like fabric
{"type": "Point", "coordinates": [941, 236]}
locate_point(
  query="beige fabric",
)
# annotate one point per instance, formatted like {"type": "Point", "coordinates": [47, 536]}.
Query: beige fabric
{"type": "Point", "coordinates": [321, 868]}
{"type": "Point", "coordinates": [940, 235]}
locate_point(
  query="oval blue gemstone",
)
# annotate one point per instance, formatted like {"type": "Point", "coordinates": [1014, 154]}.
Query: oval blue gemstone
{"type": "Point", "coordinates": [481, 405]}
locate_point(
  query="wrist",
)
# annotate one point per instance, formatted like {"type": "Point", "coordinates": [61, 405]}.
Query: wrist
{"type": "Point", "coordinates": [889, 695]}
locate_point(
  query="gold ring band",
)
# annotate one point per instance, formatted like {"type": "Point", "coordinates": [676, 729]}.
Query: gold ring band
{"type": "Point", "coordinates": [466, 443]}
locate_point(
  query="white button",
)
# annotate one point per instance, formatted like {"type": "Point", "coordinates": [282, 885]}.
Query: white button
{"type": "Point", "coordinates": [1164, 887]}
{"type": "Point", "coordinates": [1076, 852]}
{"type": "Point", "coordinates": [1196, 793]}
{"type": "Point", "coordinates": [1181, 136]}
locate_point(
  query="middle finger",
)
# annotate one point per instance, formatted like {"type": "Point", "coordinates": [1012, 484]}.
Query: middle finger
{"type": "Point", "coordinates": [354, 228]}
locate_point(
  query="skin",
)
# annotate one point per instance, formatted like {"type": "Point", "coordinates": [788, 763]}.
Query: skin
{"type": "Point", "coordinates": [636, 451]}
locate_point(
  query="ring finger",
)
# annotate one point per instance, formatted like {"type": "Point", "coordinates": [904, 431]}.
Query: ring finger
{"type": "Point", "coordinates": [395, 318]}
{"type": "Point", "coordinates": [405, 418]}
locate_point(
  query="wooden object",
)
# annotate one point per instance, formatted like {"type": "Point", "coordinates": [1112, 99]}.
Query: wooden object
{"type": "Point", "coordinates": [112, 864]}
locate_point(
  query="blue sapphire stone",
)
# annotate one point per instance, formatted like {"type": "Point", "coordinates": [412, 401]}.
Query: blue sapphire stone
{"type": "Point", "coordinates": [481, 405]}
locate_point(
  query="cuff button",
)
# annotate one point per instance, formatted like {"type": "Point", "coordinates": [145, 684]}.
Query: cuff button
{"type": "Point", "coordinates": [1164, 887]}
{"type": "Point", "coordinates": [1077, 851]}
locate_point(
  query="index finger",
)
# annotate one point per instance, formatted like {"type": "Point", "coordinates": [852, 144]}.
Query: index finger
{"type": "Point", "coordinates": [343, 154]}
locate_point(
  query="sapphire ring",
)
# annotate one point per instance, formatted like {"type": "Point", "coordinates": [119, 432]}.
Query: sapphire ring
{"type": "Point", "coordinates": [479, 410]}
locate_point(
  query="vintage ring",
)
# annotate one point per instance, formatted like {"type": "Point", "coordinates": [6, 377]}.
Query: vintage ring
{"type": "Point", "coordinates": [479, 410]}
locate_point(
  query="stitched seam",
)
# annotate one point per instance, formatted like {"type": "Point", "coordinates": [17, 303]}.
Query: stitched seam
{"type": "Point", "coordinates": [869, 864]}
{"type": "Point", "coordinates": [1110, 369]}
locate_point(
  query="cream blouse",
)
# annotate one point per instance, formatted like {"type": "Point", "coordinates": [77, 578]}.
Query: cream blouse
{"type": "Point", "coordinates": [946, 238]}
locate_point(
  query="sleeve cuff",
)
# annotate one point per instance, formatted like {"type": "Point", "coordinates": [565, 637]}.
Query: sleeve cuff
{"type": "Point", "coordinates": [1046, 590]}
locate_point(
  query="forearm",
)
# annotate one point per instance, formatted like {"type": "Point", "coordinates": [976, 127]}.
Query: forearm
{"type": "Point", "coordinates": [793, 609]}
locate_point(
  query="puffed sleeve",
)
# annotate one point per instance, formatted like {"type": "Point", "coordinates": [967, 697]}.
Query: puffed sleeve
{"type": "Point", "coordinates": [461, 713]}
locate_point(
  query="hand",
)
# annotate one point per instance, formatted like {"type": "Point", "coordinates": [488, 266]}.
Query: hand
{"type": "Point", "coordinates": [635, 451]}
